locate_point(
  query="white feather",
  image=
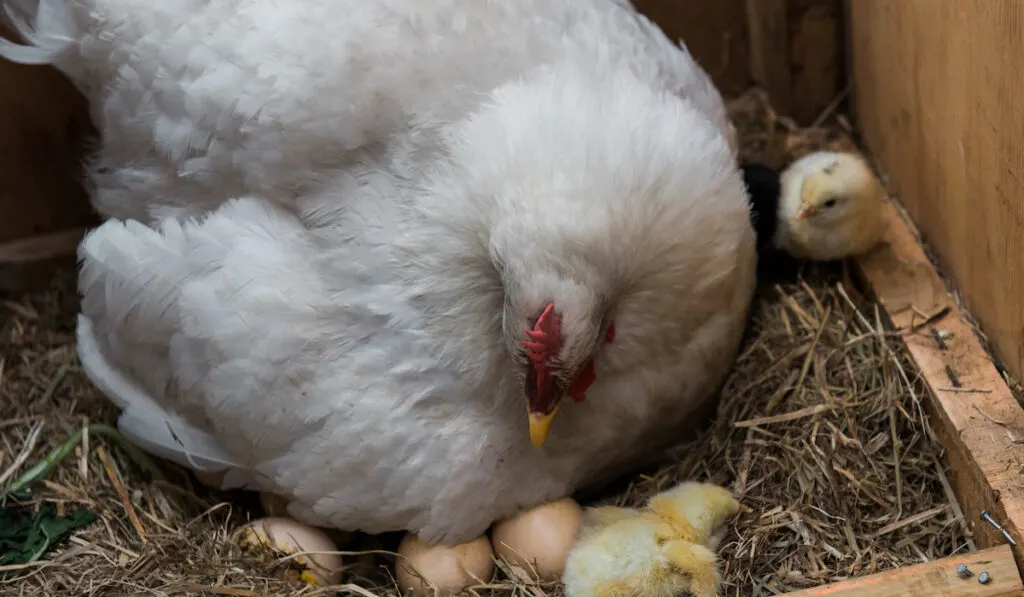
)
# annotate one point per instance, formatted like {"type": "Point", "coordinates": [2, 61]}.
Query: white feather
{"type": "Point", "coordinates": [51, 35]}
{"type": "Point", "coordinates": [145, 423]}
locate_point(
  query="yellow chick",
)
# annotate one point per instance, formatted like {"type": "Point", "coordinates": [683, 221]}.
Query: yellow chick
{"type": "Point", "coordinates": [663, 550]}
{"type": "Point", "coordinates": [830, 207]}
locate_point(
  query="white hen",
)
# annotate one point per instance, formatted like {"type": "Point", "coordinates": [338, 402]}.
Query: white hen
{"type": "Point", "coordinates": [421, 220]}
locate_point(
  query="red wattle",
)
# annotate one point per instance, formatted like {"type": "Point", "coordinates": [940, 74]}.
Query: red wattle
{"type": "Point", "coordinates": [586, 378]}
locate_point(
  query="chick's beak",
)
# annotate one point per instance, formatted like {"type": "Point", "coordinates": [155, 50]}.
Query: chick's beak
{"type": "Point", "coordinates": [808, 192]}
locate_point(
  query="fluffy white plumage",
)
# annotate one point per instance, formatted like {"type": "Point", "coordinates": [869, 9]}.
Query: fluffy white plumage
{"type": "Point", "coordinates": [349, 211]}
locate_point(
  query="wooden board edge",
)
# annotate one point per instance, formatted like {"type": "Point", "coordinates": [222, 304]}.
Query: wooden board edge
{"type": "Point", "coordinates": [937, 578]}
{"type": "Point", "coordinates": [28, 264]}
{"type": "Point", "coordinates": [768, 35]}
{"type": "Point", "coordinates": [972, 411]}
{"type": "Point", "coordinates": [816, 59]}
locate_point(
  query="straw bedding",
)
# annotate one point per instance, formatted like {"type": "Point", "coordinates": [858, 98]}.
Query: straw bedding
{"type": "Point", "coordinates": [820, 431]}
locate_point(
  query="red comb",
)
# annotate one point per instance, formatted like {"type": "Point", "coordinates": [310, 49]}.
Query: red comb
{"type": "Point", "coordinates": [544, 337]}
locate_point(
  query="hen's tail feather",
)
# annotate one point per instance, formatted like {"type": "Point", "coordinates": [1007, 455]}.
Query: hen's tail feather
{"type": "Point", "coordinates": [144, 422]}
{"type": "Point", "coordinates": [53, 31]}
{"type": "Point", "coordinates": [127, 254]}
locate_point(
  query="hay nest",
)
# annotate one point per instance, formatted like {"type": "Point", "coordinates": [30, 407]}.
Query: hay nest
{"type": "Point", "coordinates": [820, 431]}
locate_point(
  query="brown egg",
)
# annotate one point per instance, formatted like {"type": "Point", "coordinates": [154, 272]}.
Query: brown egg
{"type": "Point", "coordinates": [211, 480]}
{"type": "Point", "coordinates": [273, 504]}
{"type": "Point", "coordinates": [422, 570]}
{"type": "Point", "coordinates": [536, 542]}
{"type": "Point", "coordinates": [287, 536]}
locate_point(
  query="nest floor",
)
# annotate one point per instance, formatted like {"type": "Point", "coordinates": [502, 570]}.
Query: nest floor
{"type": "Point", "coordinates": [820, 431]}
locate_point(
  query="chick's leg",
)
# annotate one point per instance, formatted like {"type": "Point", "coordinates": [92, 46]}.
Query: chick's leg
{"type": "Point", "coordinates": [698, 563]}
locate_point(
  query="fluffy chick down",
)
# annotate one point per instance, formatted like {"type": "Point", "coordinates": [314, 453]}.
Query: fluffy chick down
{"type": "Point", "coordinates": [664, 549]}
{"type": "Point", "coordinates": [830, 208]}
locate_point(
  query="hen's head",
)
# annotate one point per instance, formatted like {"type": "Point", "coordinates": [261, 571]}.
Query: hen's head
{"type": "Point", "coordinates": [606, 205]}
{"type": "Point", "coordinates": [559, 361]}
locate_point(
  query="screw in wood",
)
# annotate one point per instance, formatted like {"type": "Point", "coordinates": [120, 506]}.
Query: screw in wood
{"type": "Point", "coordinates": [987, 517]}
{"type": "Point", "coordinates": [963, 572]}
{"type": "Point", "coordinates": [983, 578]}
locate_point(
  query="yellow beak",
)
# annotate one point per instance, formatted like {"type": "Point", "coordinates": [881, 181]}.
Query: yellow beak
{"type": "Point", "coordinates": [807, 192]}
{"type": "Point", "coordinates": [539, 426]}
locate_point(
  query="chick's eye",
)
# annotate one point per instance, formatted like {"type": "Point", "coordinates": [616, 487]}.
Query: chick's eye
{"type": "Point", "coordinates": [830, 202]}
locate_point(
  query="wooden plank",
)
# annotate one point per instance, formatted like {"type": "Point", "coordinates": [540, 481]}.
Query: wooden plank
{"type": "Point", "coordinates": [768, 27]}
{"type": "Point", "coordinates": [43, 123]}
{"type": "Point", "coordinates": [41, 247]}
{"type": "Point", "coordinates": [980, 423]}
{"type": "Point", "coordinates": [28, 264]}
{"type": "Point", "coordinates": [940, 101]}
{"type": "Point", "coordinates": [816, 52]}
{"type": "Point", "coordinates": [714, 32]}
{"type": "Point", "coordinates": [792, 48]}
{"type": "Point", "coordinates": [933, 579]}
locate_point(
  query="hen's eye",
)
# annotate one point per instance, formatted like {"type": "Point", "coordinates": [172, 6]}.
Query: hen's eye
{"type": "Point", "coordinates": [830, 203]}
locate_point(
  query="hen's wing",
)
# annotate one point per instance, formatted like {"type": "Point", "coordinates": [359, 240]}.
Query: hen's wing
{"type": "Point", "coordinates": [154, 304]}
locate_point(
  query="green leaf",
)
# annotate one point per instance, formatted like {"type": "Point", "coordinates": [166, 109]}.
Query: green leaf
{"type": "Point", "coordinates": [25, 536]}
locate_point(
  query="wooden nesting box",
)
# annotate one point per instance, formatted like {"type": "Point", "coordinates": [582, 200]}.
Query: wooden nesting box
{"type": "Point", "coordinates": [935, 87]}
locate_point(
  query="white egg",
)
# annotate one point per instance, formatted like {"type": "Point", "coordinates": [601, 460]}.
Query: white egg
{"type": "Point", "coordinates": [287, 536]}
